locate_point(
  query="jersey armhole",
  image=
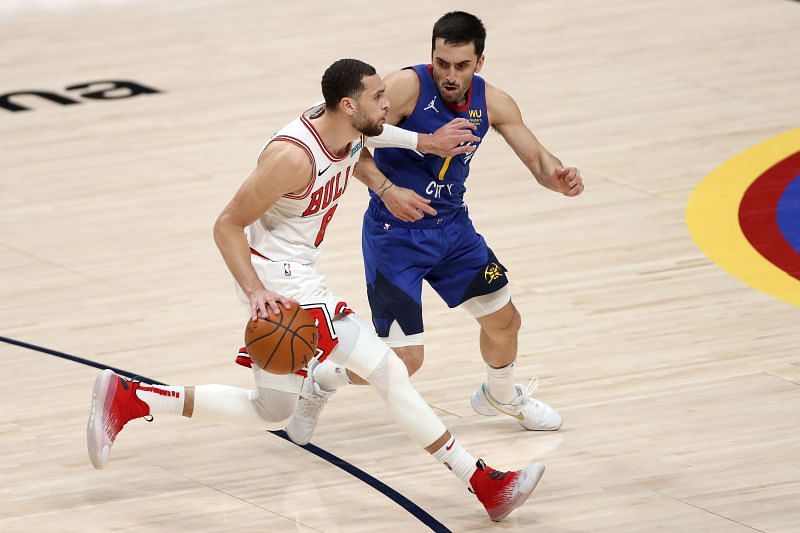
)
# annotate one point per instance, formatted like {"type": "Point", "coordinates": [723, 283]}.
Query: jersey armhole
{"type": "Point", "coordinates": [420, 81]}
{"type": "Point", "coordinates": [301, 144]}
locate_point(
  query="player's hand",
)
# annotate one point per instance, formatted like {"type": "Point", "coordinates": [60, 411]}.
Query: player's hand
{"type": "Point", "coordinates": [405, 204]}
{"type": "Point", "coordinates": [260, 299]}
{"type": "Point", "coordinates": [568, 181]}
{"type": "Point", "coordinates": [449, 140]}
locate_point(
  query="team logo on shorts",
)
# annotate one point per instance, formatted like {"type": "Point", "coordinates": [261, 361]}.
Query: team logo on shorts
{"type": "Point", "coordinates": [287, 270]}
{"type": "Point", "coordinates": [492, 273]}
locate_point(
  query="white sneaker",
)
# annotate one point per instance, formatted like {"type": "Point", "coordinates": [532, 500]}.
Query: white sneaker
{"type": "Point", "coordinates": [309, 406]}
{"type": "Point", "coordinates": [532, 414]}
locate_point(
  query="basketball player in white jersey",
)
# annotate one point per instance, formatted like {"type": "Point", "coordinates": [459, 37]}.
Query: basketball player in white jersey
{"type": "Point", "coordinates": [269, 236]}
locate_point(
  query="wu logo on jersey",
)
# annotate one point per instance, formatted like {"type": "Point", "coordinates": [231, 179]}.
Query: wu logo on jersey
{"type": "Point", "coordinates": [431, 105]}
{"type": "Point", "coordinates": [492, 273]}
{"type": "Point", "coordinates": [476, 116]}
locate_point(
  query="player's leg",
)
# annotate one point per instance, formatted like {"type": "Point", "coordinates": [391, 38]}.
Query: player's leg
{"type": "Point", "coordinates": [409, 348]}
{"type": "Point", "coordinates": [396, 259]}
{"type": "Point", "coordinates": [472, 277]}
{"type": "Point", "coordinates": [363, 352]}
{"type": "Point", "coordinates": [499, 329]}
{"type": "Point", "coordinates": [499, 393]}
{"type": "Point", "coordinates": [117, 400]}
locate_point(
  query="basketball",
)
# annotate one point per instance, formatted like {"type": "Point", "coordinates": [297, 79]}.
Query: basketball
{"type": "Point", "coordinates": [282, 343]}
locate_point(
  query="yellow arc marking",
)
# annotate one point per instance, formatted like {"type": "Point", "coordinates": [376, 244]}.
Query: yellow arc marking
{"type": "Point", "coordinates": [712, 216]}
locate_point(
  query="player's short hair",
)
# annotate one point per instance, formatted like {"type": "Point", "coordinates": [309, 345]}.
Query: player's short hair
{"type": "Point", "coordinates": [344, 79]}
{"type": "Point", "coordinates": [458, 27]}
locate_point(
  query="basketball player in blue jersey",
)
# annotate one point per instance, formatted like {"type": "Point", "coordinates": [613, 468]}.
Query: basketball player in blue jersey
{"type": "Point", "coordinates": [440, 244]}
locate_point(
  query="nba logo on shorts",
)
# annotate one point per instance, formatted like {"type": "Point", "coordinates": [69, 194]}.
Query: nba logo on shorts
{"type": "Point", "coordinates": [287, 270]}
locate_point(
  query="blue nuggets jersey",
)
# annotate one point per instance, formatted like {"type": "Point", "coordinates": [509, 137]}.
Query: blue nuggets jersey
{"type": "Point", "coordinates": [440, 179]}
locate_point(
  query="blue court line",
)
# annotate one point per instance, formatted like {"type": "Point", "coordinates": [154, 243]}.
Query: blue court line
{"type": "Point", "coordinates": [354, 471]}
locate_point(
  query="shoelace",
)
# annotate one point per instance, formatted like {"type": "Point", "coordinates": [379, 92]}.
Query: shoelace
{"type": "Point", "coordinates": [526, 395]}
{"type": "Point", "coordinates": [135, 379]}
{"type": "Point", "coordinates": [115, 422]}
{"type": "Point", "coordinates": [496, 489]}
{"type": "Point", "coordinates": [312, 406]}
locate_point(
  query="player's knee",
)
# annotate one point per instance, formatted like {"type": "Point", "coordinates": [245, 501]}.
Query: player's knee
{"type": "Point", "coordinates": [274, 406]}
{"type": "Point", "coordinates": [359, 350]}
{"type": "Point", "coordinates": [515, 323]}
{"type": "Point", "coordinates": [406, 406]}
{"type": "Point", "coordinates": [390, 376]}
{"type": "Point", "coordinates": [503, 323]}
{"type": "Point", "coordinates": [411, 356]}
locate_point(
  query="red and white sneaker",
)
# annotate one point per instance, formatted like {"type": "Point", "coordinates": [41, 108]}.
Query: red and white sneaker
{"type": "Point", "coordinates": [502, 492]}
{"type": "Point", "coordinates": [114, 404]}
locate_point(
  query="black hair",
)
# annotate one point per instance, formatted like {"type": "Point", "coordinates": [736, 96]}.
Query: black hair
{"type": "Point", "coordinates": [343, 79]}
{"type": "Point", "coordinates": [458, 27]}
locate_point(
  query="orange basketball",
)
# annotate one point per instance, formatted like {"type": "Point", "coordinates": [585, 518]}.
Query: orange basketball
{"type": "Point", "coordinates": [282, 343]}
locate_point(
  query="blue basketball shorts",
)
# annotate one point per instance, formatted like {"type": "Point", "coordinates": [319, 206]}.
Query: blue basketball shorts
{"type": "Point", "coordinates": [452, 257]}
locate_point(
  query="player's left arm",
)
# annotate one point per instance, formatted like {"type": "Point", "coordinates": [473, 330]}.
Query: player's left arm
{"type": "Point", "coordinates": [548, 170]}
{"type": "Point", "coordinates": [403, 203]}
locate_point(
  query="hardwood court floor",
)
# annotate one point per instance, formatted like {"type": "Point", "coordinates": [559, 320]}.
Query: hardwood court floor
{"type": "Point", "coordinates": [679, 385]}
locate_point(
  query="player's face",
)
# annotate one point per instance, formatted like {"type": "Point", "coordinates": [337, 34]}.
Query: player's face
{"type": "Point", "coordinates": [454, 65]}
{"type": "Point", "coordinates": [371, 107]}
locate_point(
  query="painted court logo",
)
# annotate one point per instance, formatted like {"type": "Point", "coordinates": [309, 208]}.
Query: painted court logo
{"type": "Point", "coordinates": [30, 99]}
{"type": "Point", "coordinates": [745, 216]}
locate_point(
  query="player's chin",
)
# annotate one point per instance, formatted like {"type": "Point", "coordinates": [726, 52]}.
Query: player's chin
{"type": "Point", "coordinates": [374, 130]}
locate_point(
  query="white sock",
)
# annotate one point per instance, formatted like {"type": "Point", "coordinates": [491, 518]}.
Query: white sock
{"type": "Point", "coordinates": [500, 382]}
{"type": "Point", "coordinates": [330, 376]}
{"type": "Point", "coordinates": [162, 399]}
{"type": "Point", "coordinates": [457, 459]}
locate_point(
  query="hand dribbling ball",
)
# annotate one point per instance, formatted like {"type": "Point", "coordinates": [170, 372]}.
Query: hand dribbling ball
{"type": "Point", "coordinates": [282, 343]}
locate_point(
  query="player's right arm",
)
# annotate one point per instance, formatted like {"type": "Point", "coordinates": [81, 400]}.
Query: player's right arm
{"type": "Point", "coordinates": [402, 91]}
{"type": "Point", "coordinates": [282, 168]}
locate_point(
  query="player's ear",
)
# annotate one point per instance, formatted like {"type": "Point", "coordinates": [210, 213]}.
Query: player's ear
{"type": "Point", "coordinates": [479, 64]}
{"type": "Point", "coordinates": [347, 105]}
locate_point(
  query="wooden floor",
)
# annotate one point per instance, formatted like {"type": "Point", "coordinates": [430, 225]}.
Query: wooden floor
{"type": "Point", "coordinates": [679, 385]}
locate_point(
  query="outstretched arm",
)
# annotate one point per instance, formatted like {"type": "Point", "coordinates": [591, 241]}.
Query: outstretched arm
{"type": "Point", "coordinates": [450, 140]}
{"type": "Point", "coordinates": [282, 168]}
{"type": "Point", "coordinates": [402, 91]}
{"type": "Point", "coordinates": [548, 170]}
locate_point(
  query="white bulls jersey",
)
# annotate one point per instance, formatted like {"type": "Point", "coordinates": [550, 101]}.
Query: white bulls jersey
{"type": "Point", "coordinates": [294, 227]}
